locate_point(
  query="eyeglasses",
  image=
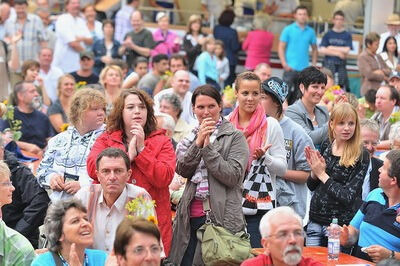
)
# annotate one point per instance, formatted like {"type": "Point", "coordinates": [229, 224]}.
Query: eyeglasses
{"type": "Point", "coordinates": [141, 251]}
{"type": "Point", "coordinates": [6, 184]}
{"type": "Point", "coordinates": [284, 235]}
{"type": "Point", "coordinates": [373, 143]}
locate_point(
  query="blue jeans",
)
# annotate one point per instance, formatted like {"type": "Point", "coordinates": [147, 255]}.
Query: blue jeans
{"type": "Point", "coordinates": [195, 224]}
{"type": "Point", "coordinates": [317, 236]}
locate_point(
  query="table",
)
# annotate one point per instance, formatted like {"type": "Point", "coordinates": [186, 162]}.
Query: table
{"type": "Point", "coordinates": [321, 254]}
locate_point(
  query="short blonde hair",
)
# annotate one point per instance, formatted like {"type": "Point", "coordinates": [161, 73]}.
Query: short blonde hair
{"type": "Point", "coordinates": [82, 100]}
{"type": "Point", "coordinates": [4, 170]}
{"type": "Point", "coordinates": [103, 73]}
{"type": "Point", "coordinates": [207, 40]}
{"type": "Point", "coordinates": [261, 22]}
{"type": "Point", "coordinates": [61, 79]}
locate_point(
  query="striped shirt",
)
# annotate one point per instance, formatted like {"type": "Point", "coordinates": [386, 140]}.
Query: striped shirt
{"type": "Point", "coordinates": [33, 33]}
{"type": "Point", "coordinates": [377, 223]}
{"type": "Point", "coordinates": [15, 249]}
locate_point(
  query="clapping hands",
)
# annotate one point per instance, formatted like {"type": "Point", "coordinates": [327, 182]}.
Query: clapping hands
{"type": "Point", "coordinates": [136, 145]}
{"type": "Point", "coordinates": [207, 127]}
{"type": "Point", "coordinates": [317, 163]}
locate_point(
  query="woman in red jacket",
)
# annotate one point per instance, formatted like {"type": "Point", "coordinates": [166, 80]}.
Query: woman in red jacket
{"type": "Point", "coordinates": [131, 126]}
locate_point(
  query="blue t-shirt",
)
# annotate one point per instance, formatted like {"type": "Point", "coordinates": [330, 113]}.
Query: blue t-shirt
{"type": "Point", "coordinates": [95, 258]}
{"type": "Point", "coordinates": [35, 128]}
{"type": "Point", "coordinates": [333, 38]}
{"type": "Point", "coordinates": [298, 41]}
{"type": "Point", "coordinates": [377, 223]}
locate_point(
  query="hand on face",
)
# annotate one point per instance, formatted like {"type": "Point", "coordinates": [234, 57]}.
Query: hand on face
{"type": "Point", "coordinates": [207, 127]}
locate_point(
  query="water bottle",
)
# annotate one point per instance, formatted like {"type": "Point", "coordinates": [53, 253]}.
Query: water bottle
{"type": "Point", "coordinates": [334, 240]}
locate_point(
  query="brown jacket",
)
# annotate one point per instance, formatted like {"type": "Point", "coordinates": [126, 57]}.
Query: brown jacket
{"type": "Point", "coordinates": [367, 64]}
{"type": "Point", "coordinates": [226, 162]}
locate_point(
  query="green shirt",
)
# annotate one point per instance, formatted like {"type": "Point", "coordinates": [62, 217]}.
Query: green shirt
{"type": "Point", "coordinates": [15, 249]}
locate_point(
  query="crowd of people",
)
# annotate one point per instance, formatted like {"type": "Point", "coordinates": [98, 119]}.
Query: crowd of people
{"type": "Point", "coordinates": [122, 117]}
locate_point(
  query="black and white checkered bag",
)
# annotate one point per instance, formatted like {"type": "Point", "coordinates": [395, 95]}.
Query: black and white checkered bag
{"type": "Point", "coordinates": [257, 189]}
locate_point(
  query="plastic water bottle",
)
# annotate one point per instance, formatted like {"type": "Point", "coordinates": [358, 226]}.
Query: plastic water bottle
{"type": "Point", "coordinates": [334, 240]}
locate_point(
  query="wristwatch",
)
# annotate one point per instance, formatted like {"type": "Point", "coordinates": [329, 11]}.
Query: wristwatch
{"type": "Point", "coordinates": [391, 255]}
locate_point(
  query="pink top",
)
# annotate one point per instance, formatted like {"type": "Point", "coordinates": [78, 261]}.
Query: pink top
{"type": "Point", "coordinates": [196, 208]}
{"type": "Point", "coordinates": [166, 43]}
{"type": "Point", "coordinates": [258, 45]}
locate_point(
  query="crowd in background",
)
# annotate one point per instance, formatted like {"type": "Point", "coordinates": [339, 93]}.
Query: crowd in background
{"type": "Point", "coordinates": [117, 112]}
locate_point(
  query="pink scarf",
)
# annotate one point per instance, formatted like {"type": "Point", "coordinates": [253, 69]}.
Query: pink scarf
{"type": "Point", "coordinates": [255, 131]}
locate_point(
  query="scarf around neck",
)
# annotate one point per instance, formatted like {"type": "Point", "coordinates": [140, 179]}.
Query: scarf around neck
{"type": "Point", "coordinates": [255, 132]}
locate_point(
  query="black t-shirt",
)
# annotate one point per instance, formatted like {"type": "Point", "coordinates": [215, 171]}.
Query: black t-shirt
{"type": "Point", "coordinates": [35, 128]}
{"type": "Point", "coordinates": [92, 79]}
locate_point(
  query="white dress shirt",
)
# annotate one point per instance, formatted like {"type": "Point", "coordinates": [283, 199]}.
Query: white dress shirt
{"type": "Point", "coordinates": [106, 220]}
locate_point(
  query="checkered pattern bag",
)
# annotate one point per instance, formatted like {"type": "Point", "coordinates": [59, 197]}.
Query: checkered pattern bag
{"type": "Point", "coordinates": [257, 189]}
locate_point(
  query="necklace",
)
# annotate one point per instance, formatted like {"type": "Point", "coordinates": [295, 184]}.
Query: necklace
{"type": "Point", "coordinates": [312, 117]}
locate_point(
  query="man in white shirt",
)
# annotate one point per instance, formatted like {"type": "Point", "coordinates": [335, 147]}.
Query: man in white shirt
{"type": "Point", "coordinates": [106, 201]}
{"type": "Point", "coordinates": [72, 37]}
{"type": "Point", "coordinates": [180, 86]}
{"type": "Point", "coordinates": [393, 26]}
{"type": "Point", "coordinates": [50, 74]}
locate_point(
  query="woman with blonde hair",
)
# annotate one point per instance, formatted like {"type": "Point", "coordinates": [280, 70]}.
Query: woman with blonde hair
{"type": "Point", "coordinates": [63, 168]}
{"type": "Point", "coordinates": [193, 40]}
{"type": "Point", "coordinates": [58, 110]}
{"type": "Point", "coordinates": [337, 175]}
{"type": "Point", "coordinates": [111, 79]}
{"type": "Point", "coordinates": [258, 42]}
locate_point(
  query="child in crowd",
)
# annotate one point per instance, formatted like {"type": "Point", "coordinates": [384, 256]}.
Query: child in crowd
{"type": "Point", "coordinates": [206, 64]}
{"type": "Point", "coordinates": [222, 63]}
{"type": "Point", "coordinates": [140, 68]}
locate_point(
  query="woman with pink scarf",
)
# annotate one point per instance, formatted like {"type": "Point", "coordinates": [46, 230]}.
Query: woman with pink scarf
{"type": "Point", "coordinates": [267, 152]}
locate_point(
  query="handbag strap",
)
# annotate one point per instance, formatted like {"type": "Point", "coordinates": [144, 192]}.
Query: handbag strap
{"type": "Point", "coordinates": [56, 259]}
{"type": "Point", "coordinates": [207, 210]}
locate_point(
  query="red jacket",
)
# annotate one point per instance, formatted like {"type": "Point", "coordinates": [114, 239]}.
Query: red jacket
{"type": "Point", "coordinates": [153, 170]}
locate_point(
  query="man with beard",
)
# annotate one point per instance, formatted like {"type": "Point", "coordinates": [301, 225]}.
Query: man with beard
{"type": "Point", "coordinates": [283, 240]}
{"type": "Point", "coordinates": [35, 126]}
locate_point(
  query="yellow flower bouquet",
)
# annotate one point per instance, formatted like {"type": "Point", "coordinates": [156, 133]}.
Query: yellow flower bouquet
{"type": "Point", "coordinates": [142, 207]}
